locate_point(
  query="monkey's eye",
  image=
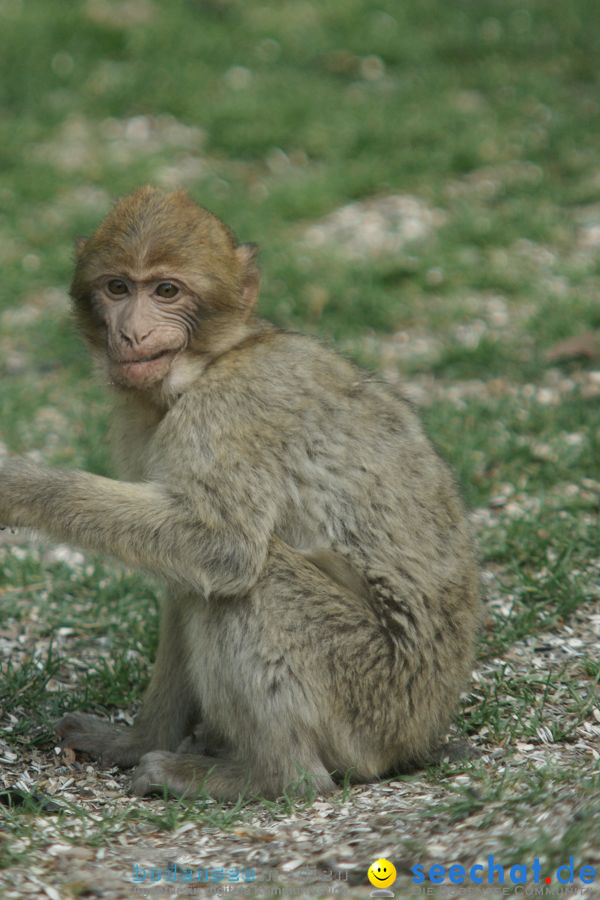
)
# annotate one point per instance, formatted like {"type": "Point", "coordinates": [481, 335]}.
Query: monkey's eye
{"type": "Point", "coordinates": [117, 287]}
{"type": "Point", "coordinates": [167, 289]}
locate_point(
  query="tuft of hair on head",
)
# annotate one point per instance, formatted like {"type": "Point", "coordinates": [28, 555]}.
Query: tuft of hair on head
{"type": "Point", "coordinates": [151, 230]}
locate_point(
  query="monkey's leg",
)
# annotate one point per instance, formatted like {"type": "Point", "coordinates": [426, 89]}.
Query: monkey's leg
{"type": "Point", "coordinates": [262, 668]}
{"type": "Point", "coordinates": [262, 756]}
{"type": "Point", "coordinates": [302, 679]}
{"type": "Point", "coordinates": [190, 775]}
{"type": "Point", "coordinates": [168, 712]}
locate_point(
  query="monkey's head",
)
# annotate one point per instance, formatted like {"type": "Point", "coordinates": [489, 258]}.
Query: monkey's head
{"type": "Point", "coordinates": [161, 278]}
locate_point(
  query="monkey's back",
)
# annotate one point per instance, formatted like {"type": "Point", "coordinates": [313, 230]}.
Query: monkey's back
{"type": "Point", "coordinates": [347, 448]}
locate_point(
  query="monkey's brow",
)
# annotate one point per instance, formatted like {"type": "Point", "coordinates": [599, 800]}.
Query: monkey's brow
{"type": "Point", "coordinates": [144, 276]}
{"type": "Point", "coordinates": [154, 275]}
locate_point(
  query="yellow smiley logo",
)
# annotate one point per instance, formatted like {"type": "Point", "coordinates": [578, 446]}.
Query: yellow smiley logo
{"type": "Point", "coordinates": [381, 873]}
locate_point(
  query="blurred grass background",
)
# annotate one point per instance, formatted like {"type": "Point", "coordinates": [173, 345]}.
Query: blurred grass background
{"type": "Point", "coordinates": [274, 114]}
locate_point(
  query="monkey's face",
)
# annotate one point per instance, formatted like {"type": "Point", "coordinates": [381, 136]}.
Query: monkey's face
{"type": "Point", "coordinates": [161, 276]}
{"type": "Point", "coordinates": [148, 324]}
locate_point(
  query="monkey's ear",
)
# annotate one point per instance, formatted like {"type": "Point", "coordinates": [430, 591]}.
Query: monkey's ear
{"type": "Point", "coordinates": [80, 243]}
{"type": "Point", "coordinates": [246, 254]}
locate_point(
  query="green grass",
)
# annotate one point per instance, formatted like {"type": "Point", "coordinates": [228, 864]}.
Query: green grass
{"type": "Point", "coordinates": [274, 114]}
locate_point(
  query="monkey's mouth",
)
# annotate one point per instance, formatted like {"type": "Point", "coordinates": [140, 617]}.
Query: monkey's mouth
{"type": "Point", "coordinates": [140, 360]}
{"type": "Point", "coordinates": [145, 369]}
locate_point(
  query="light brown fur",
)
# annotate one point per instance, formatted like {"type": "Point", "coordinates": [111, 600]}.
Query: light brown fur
{"type": "Point", "coordinates": [322, 587]}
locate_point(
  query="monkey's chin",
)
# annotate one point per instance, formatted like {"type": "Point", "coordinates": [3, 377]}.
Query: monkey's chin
{"type": "Point", "coordinates": [144, 373]}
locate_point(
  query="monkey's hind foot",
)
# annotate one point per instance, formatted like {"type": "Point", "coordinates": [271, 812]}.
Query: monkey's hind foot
{"type": "Point", "coordinates": [187, 775]}
{"type": "Point", "coordinates": [110, 744]}
{"type": "Point", "coordinates": [190, 775]}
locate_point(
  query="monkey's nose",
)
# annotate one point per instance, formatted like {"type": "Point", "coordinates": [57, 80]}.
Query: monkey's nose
{"type": "Point", "coordinates": [134, 338]}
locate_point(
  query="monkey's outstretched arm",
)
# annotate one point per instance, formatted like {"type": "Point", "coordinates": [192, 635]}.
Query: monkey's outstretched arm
{"type": "Point", "coordinates": [175, 534]}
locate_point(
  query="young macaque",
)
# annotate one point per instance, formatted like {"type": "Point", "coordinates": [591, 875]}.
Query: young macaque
{"type": "Point", "coordinates": [322, 590]}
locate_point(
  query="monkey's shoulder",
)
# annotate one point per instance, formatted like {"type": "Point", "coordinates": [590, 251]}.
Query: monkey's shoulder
{"type": "Point", "coordinates": [284, 364]}
{"type": "Point", "coordinates": [282, 389]}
